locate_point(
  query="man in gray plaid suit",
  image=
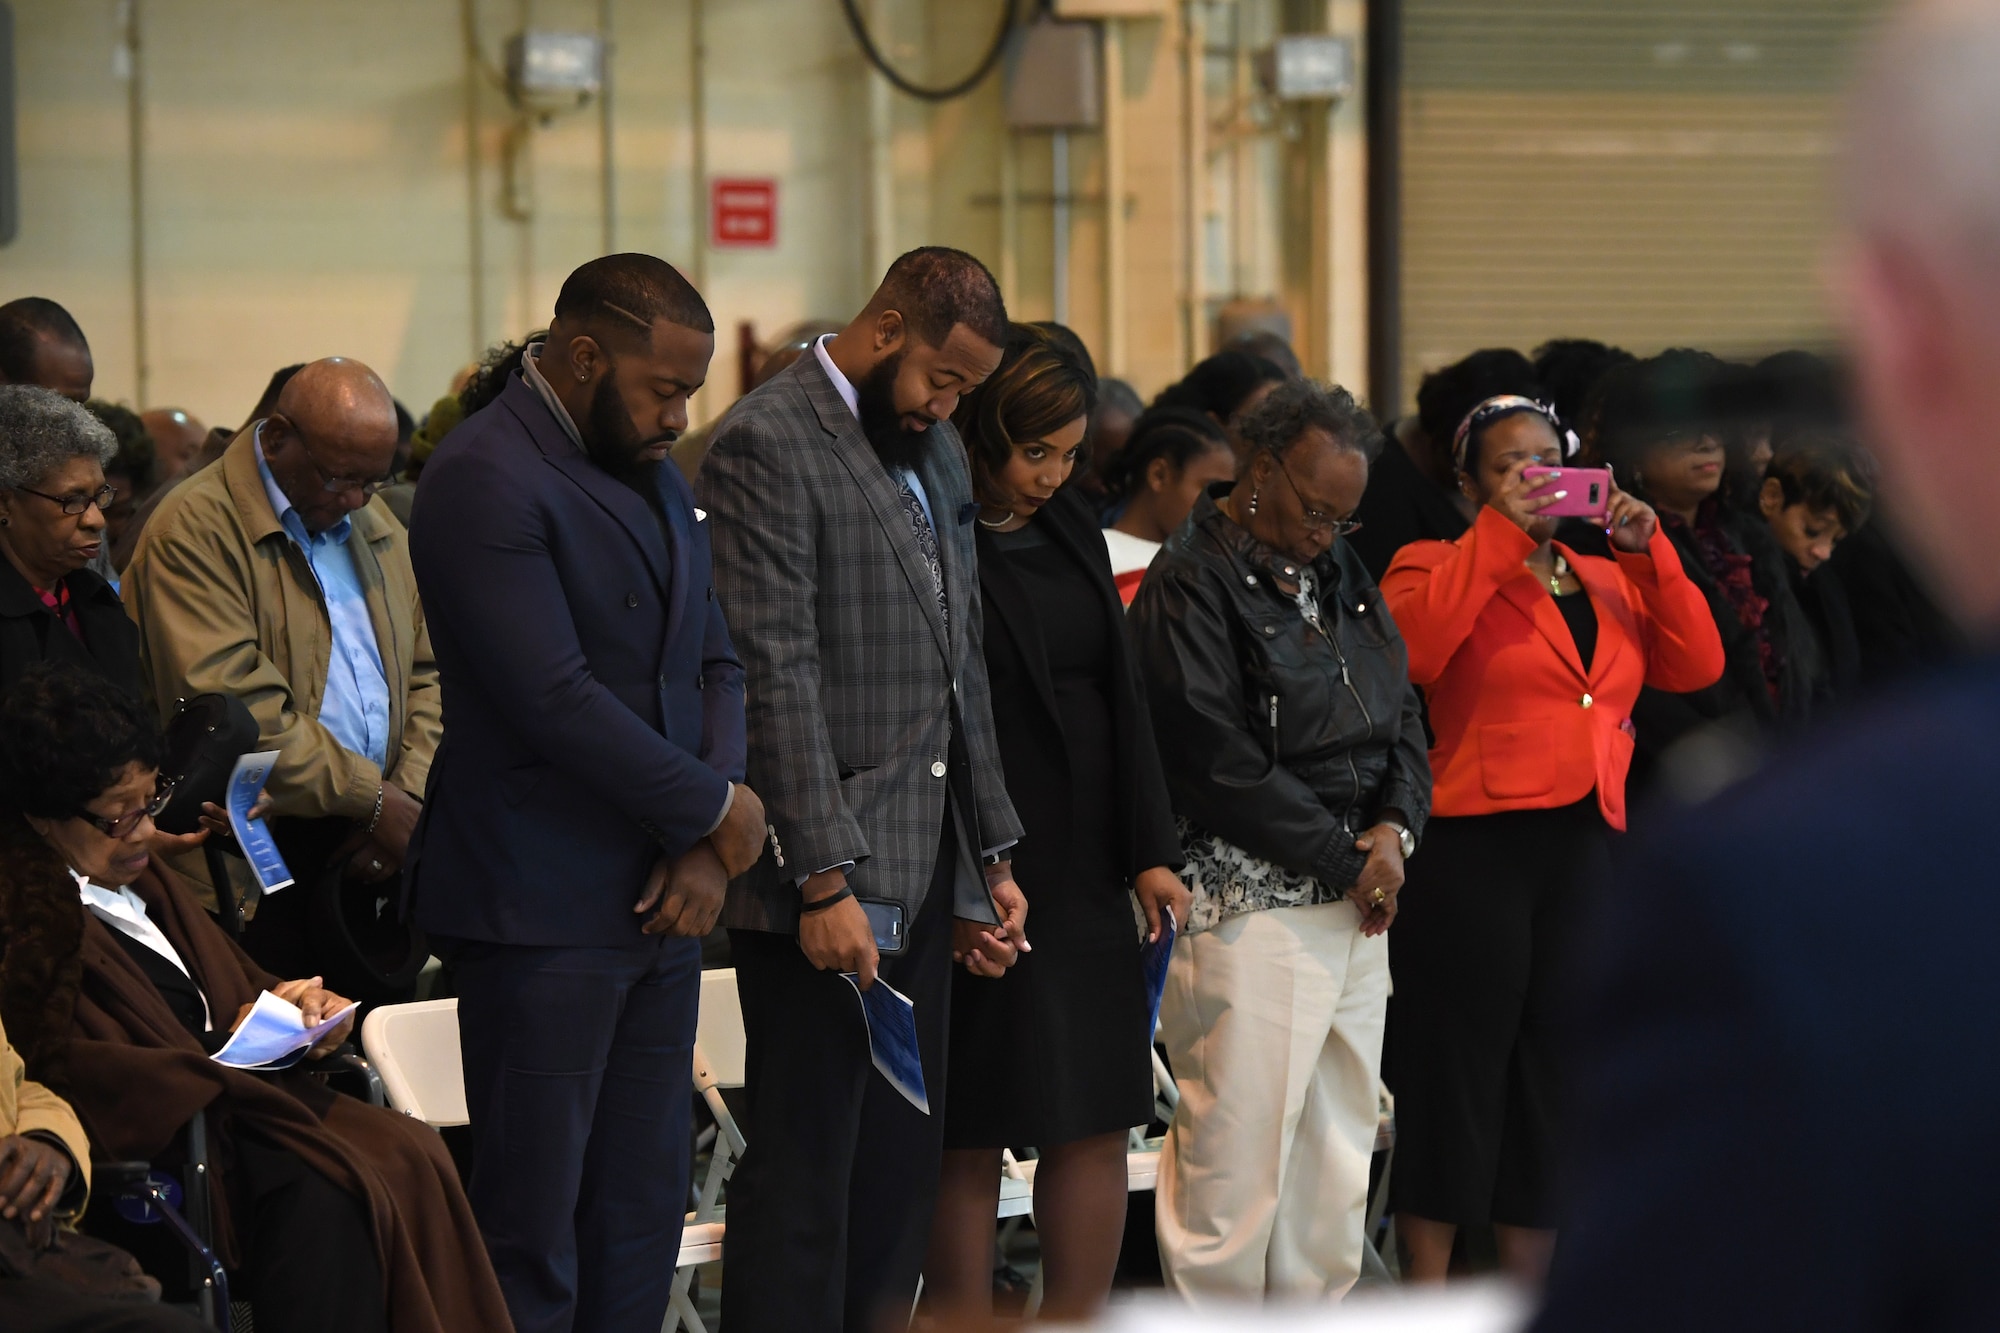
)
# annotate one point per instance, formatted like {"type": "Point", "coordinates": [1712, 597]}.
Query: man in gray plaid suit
{"type": "Point", "coordinates": [840, 509]}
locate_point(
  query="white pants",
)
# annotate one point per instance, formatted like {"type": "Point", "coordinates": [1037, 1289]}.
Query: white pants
{"type": "Point", "coordinates": [1273, 1024]}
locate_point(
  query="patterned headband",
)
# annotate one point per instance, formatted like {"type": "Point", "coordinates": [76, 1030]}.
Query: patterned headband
{"type": "Point", "coordinates": [1507, 405]}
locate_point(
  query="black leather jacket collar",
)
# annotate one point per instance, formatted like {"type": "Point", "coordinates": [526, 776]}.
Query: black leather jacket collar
{"type": "Point", "coordinates": [1281, 738]}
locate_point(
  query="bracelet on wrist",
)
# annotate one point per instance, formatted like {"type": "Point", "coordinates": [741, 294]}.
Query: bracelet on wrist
{"type": "Point", "coordinates": [842, 894]}
{"type": "Point", "coordinates": [381, 794]}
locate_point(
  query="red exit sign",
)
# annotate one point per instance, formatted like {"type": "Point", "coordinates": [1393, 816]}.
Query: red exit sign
{"type": "Point", "coordinates": [743, 211]}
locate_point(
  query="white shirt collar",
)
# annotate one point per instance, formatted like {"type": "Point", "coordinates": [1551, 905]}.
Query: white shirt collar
{"type": "Point", "coordinates": [125, 912]}
{"type": "Point", "coordinates": [842, 385]}
{"type": "Point", "coordinates": [531, 371]}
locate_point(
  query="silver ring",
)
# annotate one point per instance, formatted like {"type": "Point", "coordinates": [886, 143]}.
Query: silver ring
{"type": "Point", "coordinates": [377, 865]}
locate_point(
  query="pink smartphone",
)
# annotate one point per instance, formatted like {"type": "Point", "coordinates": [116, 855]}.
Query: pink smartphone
{"type": "Point", "coordinates": [1588, 490]}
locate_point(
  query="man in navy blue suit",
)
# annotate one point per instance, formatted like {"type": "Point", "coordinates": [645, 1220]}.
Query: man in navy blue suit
{"type": "Point", "coordinates": [587, 809]}
{"type": "Point", "coordinates": [1790, 1100]}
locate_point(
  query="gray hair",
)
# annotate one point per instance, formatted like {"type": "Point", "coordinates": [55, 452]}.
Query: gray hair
{"type": "Point", "coordinates": [1298, 406]}
{"type": "Point", "coordinates": [40, 430]}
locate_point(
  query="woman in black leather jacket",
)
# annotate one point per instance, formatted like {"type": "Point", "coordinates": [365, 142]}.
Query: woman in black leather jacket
{"type": "Point", "coordinates": [1294, 750]}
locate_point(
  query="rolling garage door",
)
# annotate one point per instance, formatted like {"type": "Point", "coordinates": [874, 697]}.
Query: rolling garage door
{"type": "Point", "coordinates": [1649, 172]}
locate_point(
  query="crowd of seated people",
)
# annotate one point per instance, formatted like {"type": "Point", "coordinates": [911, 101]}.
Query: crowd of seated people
{"type": "Point", "coordinates": [1301, 697]}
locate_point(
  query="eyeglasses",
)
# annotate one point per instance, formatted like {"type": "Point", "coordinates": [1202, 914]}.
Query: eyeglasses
{"type": "Point", "coordinates": [1315, 520]}
{"type": "Point", "coordinates": [329, 483]}
{"type": "Point", "coordinates": [121, 827]}
{"type": "Point", "coordinates": [73, 505]}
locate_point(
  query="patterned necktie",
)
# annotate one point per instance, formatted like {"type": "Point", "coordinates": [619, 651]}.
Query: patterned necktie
{"type": "Point", "coordinates": [926, 542]}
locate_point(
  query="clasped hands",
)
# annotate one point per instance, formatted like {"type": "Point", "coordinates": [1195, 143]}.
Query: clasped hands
{"type": "Point", "coordinates": [841, 939]}
{"type": "Point", "coordinates": [684, 896]}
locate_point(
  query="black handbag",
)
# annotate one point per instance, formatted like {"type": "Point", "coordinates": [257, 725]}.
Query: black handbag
{"type": "Point", "coordinates": [205, 738]}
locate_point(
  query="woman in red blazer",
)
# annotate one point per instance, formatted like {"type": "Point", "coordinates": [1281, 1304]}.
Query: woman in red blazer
{"type": "Point", "coordinates": [1530, 657]}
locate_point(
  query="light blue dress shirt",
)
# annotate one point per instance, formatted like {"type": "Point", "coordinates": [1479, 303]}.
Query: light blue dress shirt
{"type": "Point", "coordinates": [355, 705]}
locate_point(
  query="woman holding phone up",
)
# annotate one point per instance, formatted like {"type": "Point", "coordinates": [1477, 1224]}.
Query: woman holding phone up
{"type": "Point", "coordinates": [1531, 657]}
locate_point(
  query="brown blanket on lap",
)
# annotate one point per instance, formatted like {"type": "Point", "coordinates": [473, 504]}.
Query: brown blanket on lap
{"type": "Point", "coordinates": [101, 1033]}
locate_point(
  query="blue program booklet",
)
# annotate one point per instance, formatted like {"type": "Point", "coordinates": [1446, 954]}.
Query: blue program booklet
{"type": "Point", "coordinates": [246, 784]}
{"type": "Point", "coordinates": [1153, 960]}
{"type": "Point", "coordinates": [892, 1038]}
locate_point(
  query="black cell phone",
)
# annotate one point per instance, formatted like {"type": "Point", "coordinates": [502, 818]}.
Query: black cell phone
{"type": "Point", "coordinates": [886, 920]}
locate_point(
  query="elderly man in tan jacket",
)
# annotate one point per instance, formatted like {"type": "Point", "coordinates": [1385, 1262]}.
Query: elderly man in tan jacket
{"type": "Point", "coordinates": [277, 575]}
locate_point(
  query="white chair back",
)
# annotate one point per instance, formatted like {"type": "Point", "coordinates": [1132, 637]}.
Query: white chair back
{"type": "Point", "coordinates": [414, 1047]}
{"type": "Point", "coordinates": [718, 1034]}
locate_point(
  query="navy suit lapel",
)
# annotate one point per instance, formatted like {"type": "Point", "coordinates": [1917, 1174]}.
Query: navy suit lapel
{"type": "Point", "coordinates": [617, 499]}
{"type": "Point", "coordinates": [677, 503]}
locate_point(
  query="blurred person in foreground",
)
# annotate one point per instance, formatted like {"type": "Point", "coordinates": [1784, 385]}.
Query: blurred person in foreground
{"type": "Point", "coordinates": [1294, 752]}
{"type": "Point", "coordinates": [584, 820]}
{"type": "Point", "coordinates": [1175, 455]}
{"type": "Point", "coordinates": [1054, 1053]}
{"type": "Point", "coordinates": [1111, 423]}
{"type": "Point", "coordinates": [278, 576]}
{"type": "Point", "coordinates": [842, 515]}
{"type": "Point", "coordinates": [1795, 1015]}
{"type": "Point", "coordinates": [1531, 655]}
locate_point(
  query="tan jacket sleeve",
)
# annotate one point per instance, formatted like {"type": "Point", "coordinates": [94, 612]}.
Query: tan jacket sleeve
{"type": "Point", "coordinates": [199, 635]}
{"type": "Point", "coordinates": [27, 1107]}
{"type": "Point", "coordinates": [423, 724]}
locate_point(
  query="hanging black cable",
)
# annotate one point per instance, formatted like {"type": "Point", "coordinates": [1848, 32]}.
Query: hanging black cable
{"type": "Point", "coordinates": [945, 94]}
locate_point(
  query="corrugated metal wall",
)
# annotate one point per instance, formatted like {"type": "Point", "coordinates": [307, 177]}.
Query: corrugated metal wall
{"type": "Point", "coordinates": [1648, 172]}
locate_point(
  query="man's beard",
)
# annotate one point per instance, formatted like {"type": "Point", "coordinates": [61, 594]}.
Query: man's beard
{"type": "Point", "coordinates": [897, 446]}
{"type": "Point", "coordinates": [610, 438]}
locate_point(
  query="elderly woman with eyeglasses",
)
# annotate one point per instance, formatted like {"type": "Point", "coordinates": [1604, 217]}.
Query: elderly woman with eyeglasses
{"type": "Point", "coordinates": [1293, 746]}
{"type": "Point", "coordinates": [119, 991]}
{"type": "Point", "coordinates": [1531, 655]}
{"type": "Point", "coordinates": [53, 607]}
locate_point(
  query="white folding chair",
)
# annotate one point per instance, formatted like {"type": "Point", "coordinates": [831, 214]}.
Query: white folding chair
{"type": "Point", "coordinates": [415, 1049]}
{"type": "Point", "coordinates": [718, 1064]}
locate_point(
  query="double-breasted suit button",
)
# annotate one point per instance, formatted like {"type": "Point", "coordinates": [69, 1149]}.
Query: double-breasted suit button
{"type": "Point", "coordinates": [632, 600]}
{"type": "Point", "coordinates": [701, 681]}
{"type": "Point", "coordinates": [711, 594]}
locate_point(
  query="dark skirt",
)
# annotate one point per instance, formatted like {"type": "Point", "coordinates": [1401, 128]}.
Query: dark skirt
{"type": "Point", "coordinates": [1057, 1050]}
{"type": "Point", "coordinates": [1480, 957]}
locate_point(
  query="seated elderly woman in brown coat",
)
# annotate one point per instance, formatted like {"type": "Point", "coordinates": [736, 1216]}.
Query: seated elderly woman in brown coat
{"type": "Point", "coordinates": [334, 1215]}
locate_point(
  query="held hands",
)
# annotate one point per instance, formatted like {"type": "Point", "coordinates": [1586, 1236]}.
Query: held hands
{"type": "Point", "coordinates": [989, 950]}
{"type": "Point", "coordinates": [1630, 523]}
{"type": "Point", "coordinates": [838, 938]}
{"type": "Point", "coordinates": [1384, 872]}
{"type": "Point", "coordinates": [688, 893]}
{"type": "Point", "coordinates": [1157, 888]}
{"type": "Point", "coordinates": [33, 1176]}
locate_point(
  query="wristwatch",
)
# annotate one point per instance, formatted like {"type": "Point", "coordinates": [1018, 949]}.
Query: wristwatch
{"type": "Point", "coordinates": [1404, 838]}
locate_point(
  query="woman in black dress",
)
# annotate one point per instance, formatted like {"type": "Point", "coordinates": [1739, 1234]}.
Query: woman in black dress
{"type": "Point", "coordinates": [1054, 1055]}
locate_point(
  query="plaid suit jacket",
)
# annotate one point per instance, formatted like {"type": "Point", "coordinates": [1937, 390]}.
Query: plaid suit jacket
{"type": "Point", "coordinates": [849, 669]}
